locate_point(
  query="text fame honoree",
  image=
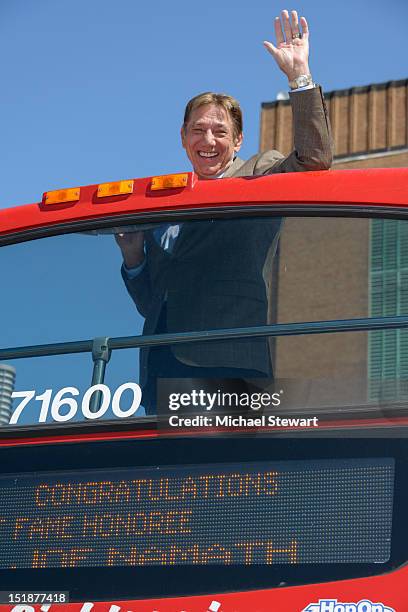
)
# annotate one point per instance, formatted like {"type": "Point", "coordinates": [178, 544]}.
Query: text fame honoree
{"type": "Point", "coordinates": [204, 274]}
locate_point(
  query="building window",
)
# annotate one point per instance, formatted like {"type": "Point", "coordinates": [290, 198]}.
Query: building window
{"type": "Point", "coordinates": [388, 350]}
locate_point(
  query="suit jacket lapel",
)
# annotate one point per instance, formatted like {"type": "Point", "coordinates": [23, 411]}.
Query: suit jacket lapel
{"type": "Point", "coordinates": [234, 167]}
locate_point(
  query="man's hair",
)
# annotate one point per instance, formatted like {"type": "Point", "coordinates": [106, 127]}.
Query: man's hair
{"type": "Point", "coordinates": [230, 104]}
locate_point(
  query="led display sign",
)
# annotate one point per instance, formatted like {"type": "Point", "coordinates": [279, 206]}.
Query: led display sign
{"type": "Point", "coordinates": [281, 512]}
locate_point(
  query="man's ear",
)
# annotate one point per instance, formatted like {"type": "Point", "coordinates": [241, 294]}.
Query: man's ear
{"type": "Point", "coordinates": [182, 134]}
{"type": "Point", "coordinates": [238, 142]}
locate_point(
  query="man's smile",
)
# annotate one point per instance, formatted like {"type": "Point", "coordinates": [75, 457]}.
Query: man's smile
{"type": "Point", "coordinates": [207, 154]}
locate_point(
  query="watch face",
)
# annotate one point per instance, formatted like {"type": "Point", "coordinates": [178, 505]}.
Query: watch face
{"type": "Point", "coordinates": [301, 81]}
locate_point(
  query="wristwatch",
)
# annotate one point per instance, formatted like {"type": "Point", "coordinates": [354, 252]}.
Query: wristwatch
{"type": "Point", "coordinates": [301, 81]}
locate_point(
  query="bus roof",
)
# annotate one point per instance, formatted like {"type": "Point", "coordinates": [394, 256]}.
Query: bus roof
{"type": "Point", "coordinates": [362, 188]}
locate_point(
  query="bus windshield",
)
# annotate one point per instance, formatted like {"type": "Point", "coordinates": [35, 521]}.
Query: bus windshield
{"type": "Point", "coordinates": [322, 279]}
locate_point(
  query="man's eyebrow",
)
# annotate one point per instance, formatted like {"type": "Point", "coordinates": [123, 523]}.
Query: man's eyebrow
{"type": "Point", "coordinates": [218, 124]}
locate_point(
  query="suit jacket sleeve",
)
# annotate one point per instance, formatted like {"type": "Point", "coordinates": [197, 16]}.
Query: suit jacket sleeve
{"type": "Point", "coordinates": [313, 147]}
{"type": "Point", "coordinates": [139, 289]}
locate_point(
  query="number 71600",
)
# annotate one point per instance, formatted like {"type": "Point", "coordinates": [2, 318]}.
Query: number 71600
{"type": "Point", "coordinates": [63, 406]}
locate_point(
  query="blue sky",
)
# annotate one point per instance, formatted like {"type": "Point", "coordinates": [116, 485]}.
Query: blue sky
{"type": "Point", "coordinates": [94, 90]}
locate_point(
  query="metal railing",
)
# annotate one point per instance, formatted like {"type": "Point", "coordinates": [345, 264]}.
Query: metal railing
{"type": "Point", "coordinates": [102, 347]}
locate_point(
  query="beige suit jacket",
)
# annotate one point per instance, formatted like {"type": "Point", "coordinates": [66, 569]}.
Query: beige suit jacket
{"type": "Point", "coordinates": [313, 147]}
{"type": "Point", "coordinates": [176, 275]}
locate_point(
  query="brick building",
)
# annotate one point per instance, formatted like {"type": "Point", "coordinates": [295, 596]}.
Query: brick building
{"type": "Point", "coordinates": [344, 268]}
{"type": "Point", "coordinates": [370, 125]}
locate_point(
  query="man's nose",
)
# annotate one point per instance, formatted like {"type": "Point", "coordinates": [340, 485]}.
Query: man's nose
{"type": "Point", "coordinates": [209, 137]}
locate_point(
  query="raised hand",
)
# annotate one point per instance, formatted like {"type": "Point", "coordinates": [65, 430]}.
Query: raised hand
{"type": "Point", "coordinates": [292, 45]}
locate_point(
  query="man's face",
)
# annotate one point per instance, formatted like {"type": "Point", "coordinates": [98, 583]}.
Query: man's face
{"type": "Point", "coordinates": [209, 141]}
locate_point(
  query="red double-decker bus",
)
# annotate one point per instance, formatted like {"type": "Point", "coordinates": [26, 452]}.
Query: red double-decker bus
{"type": "Point", "coordinates": [220, 424]}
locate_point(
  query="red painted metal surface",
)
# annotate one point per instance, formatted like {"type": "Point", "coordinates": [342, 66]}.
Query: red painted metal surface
{"type": "Point", "coordinates": [390, 590]}
{"type": "Point", "coordinates": [88, 436]}
{"type": "Point", "coordinates": [383, 187]}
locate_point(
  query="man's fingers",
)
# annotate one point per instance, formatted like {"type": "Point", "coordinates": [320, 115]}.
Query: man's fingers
{"type": "Point", "coordinates": [291, 27]}
{"type": "Point", "coordinates": [289, 31]}
{"type": "Point", "coordinates": [305, 27]}
{"type": "Point", "coordinates": [271, 48]}
{"type": "Point", "coordinates": [286, 26]}
{"type": "Point", "coordinates": [295, 24]}
{"type": "Point", "coordinates": [278, 31]}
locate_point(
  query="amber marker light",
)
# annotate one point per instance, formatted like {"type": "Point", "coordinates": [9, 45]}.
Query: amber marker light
{"type": "Point", "coordinates": [169, 181]}
{"type": "Point", "coordinates": [62, 195]}
{"type": "Point", "coordinates": [115, 188]}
